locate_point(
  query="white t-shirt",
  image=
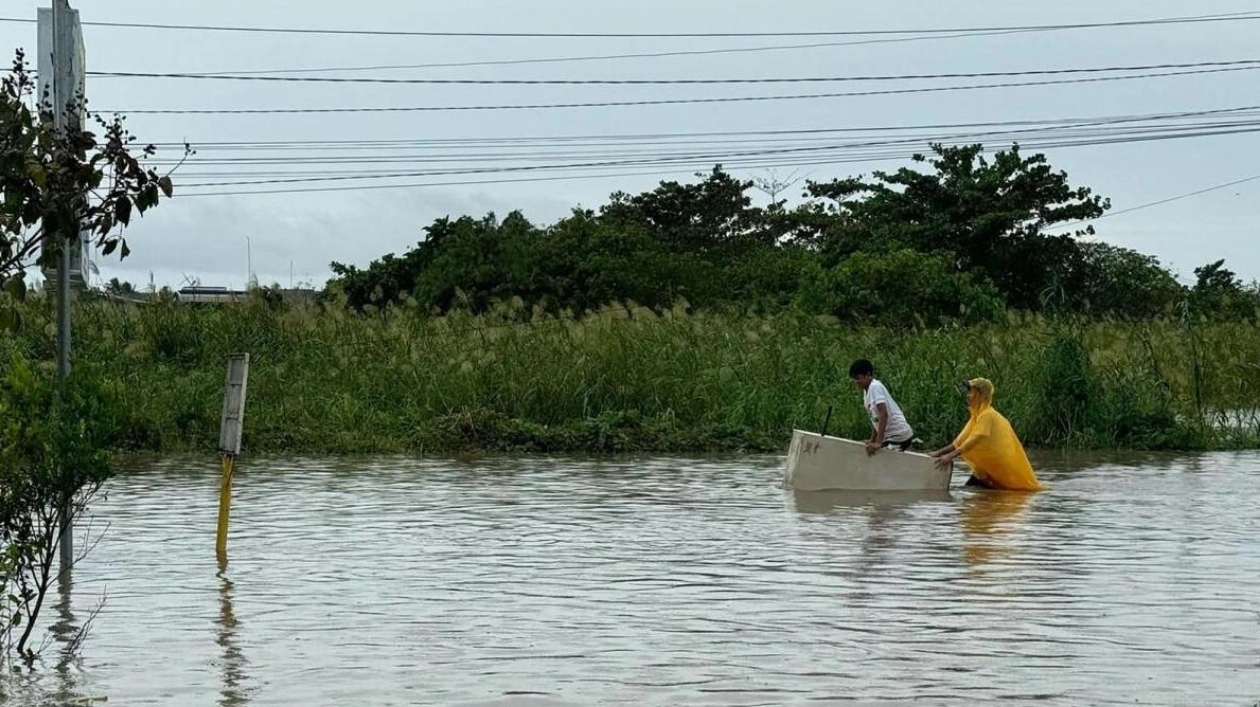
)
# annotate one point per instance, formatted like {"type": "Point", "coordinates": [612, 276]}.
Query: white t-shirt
{"type": "Point", "coordinates": [898, 429]}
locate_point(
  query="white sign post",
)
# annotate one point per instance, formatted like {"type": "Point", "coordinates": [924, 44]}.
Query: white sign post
{"type": "Point", "coordinates": [230, 429]}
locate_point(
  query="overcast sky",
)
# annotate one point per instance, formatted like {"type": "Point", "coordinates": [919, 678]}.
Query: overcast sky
{"type": "Point", "coordinates": [205, 237]}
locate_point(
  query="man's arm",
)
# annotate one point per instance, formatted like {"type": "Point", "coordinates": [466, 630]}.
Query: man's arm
{"type": "Point", "coordinates": [881, 422]}
{"type": "Point", "coordinates": [945, 456]}
{"type": "Point", "coordinates": [969, 443]}
{"type": "Point", "coordinates": [952, 452]}
{"type": "Point", "coordinates": [880, 429]}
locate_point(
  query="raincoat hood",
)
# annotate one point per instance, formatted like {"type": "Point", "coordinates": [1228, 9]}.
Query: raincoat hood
{"type": "Point", "coordinates": [983, 388]}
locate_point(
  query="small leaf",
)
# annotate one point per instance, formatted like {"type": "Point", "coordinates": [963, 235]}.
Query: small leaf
{"type": "Point", "coordinates": [122, 210]}
{"type": "Point", "coordinates": [16, 287]}
{"type": "Point", "coordinates": [110, 246]}
{"type": "Point", "coordinates": [167, 187]}
{"type": "Point", "coordinates": [125, 250]}
{"type": "Point", "coordinates": [149, 195]}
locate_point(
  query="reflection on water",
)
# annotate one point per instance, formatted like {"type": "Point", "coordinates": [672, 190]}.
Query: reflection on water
{"type": "Point", "coordinates": [990, 520]}
{"type": "Point", "coordinates": [233, 694]}
{"type": "Point", "coordinates": [831, 501]}
{"type": "Point", "coordinates": [65, 631]}
{"type": "Point", "coordinates": [670, 582]}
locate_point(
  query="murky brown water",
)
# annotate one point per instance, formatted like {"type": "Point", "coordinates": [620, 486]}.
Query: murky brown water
{"type": "Point", "coordinates": [670, 582]}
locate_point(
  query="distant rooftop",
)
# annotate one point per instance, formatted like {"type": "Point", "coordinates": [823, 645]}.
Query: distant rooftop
{"type": "Point", "coordinates": [208, 290]}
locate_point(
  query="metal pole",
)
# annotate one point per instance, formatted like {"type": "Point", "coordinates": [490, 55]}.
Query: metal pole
{"type": "Point", "coordinates": [62, 60]}
{"type": "Point", "coordinates": [231, 429]}
{"type": "Point", "coordinates": [225, 510]}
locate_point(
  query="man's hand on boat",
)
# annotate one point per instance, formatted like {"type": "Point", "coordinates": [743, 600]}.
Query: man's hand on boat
{"type": "Point", "coordinates": [944, 456]}
{"type": "Point", "coordinates": [873, 446]}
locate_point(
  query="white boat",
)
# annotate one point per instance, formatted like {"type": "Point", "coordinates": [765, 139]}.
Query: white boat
{"type": "Point", "coordinates": [816, 463]}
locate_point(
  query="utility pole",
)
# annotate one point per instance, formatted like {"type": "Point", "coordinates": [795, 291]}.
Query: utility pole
{"type": "Point", "coordinates": [61, 82]}
{"type": "Point", "coordinates": [64, 53]}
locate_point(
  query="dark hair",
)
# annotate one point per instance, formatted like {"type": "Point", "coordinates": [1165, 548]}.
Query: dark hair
{"type": "Point", "coordinates": [861, 367]}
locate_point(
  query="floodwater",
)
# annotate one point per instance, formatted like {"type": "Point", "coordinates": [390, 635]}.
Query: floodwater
{"type": "Point", "coordinates": [548, 582]}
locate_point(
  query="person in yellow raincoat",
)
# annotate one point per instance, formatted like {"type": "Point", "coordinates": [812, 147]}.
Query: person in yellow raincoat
{"type": "Point", "coordinates": [989, 445]}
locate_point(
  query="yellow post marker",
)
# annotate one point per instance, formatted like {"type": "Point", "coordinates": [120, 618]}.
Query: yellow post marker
{"type": "Point", "coordinates": [230, 428]}
{"type": "Point", "coordinates": [225, 509]}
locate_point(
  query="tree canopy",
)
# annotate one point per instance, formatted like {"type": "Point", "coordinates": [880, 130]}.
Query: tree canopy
{"type": "Point", "coordinates": [958, 235]}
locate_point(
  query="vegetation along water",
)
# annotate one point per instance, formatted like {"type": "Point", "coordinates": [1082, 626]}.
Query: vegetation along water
{"type": "Point", "coordinates": [687, 318]}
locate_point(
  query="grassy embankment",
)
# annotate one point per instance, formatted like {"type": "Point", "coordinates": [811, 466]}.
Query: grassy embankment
{"type": "Point", "coordinates": [332, 381]}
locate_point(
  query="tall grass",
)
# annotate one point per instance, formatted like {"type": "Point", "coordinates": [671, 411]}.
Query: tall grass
{"type": "Point", "coordinates": [628, 379]}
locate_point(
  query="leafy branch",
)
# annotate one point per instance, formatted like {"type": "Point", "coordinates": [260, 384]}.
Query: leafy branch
{"type": "Point", "coordinates": [58, 183]}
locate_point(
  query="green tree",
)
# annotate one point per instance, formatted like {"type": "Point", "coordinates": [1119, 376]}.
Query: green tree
{"type": "Point", "coordinates": [826, 224]}
{"type": "Point", "coordinates": [904, 288]}
{"type": "Point", "coordinates": [1114, 281]}
{"type": "Point", "coordinates": [484, 260]}
{"type": "Point", "coordinates": [989, 214]}
{"type": "Point", "coordinates": [384, 280]}
{"type": "Point", "coordinates": [588, 263]}
{"type": "Point", "coordinates": [119, 287]}
{"type": "Point", "coordinates": [713, 218]}
{"type": "Point", "coordinates": [1219, 294]}
{"type": "Point", "coordinates": [705, 243]}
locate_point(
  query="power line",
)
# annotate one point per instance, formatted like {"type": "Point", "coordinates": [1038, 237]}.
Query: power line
{"type": "Point", "coordinates": [1064, 132]}
{"type": "Point", "coordinates": [645, 55]}
{"type": "Point", "coordinates": [1230, 17]}
{"type": "Point", "coordinates": [671, 101]}
{"type": "Point", "coordinates": [612, 57]}
{"type": "Point", "coordinates": [694, 158]}
{"type": "Point", "coordinates": [1161, 202]}
{"type": "Point", "coordinates": [640, 82]}
{"type": "Point", "coordinates": [1115, 130]}
{"type": "Point", "coordinates": [669, 168]}
{"type": "Point", "coordinates": [314, 169]}
{"type": "Point", "coordinates": [824, 156]}
{"type": "Point", "coordinates": [711, 157]}
{"type": "Point", "coordinates": [533, 179]}
{"type": "Point", "coordinates": [640, 137]}
{"type": "Point", "coordinates": [375, 187]}
{"type": "Point", "coordinates": [475, 153]}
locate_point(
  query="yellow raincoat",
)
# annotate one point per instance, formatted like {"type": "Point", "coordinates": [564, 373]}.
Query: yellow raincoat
{"type": "Point", "coordinates": [990, 447]}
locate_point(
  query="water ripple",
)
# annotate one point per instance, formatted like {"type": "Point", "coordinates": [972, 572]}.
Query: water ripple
{"type": "Point", "coordinates": [547, 582]}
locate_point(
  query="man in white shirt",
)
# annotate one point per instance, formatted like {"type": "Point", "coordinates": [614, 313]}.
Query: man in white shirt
{"type": "Point", "coordinates": [888, 424]}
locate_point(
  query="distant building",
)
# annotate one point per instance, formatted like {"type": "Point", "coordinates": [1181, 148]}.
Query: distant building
{"type": "Point", "coordinates": [221, 295]}
{"type": "Point", "coordinates": [209, 295]}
